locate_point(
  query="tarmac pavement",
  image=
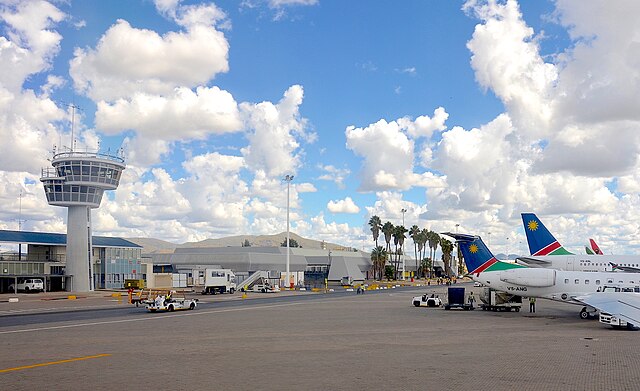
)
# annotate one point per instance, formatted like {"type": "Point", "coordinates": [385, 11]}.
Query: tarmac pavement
{"type": "Point", "coordinates": [313, 341]}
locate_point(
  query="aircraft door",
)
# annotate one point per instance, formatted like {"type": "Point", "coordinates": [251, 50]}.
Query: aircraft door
{"type": "Point", "coordinates": [570, 263]}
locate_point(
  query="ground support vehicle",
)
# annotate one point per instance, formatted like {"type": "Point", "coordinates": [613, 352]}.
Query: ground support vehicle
{"type": "Point", "coordinates": [265, 288]}
{"type": "Point", "coordinates": [493, 300]}
{"type": "Point", "coordinates": [614, 321]}
{"type": "Point", "coordinates": [456, 299]}
{"type": "Point", "coordinates": [171, 301]}
{"type": "Point", "coordinates": [218, 281]}
{"type": "Point", "coordinates": [427, 301]}
{"type": "Point", "coordinates": [29, 285]}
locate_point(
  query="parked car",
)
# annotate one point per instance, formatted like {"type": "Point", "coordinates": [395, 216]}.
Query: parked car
{"type": "Point", "coordinates": [29, 285]}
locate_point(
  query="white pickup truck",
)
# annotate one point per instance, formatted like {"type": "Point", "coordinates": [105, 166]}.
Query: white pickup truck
{"type": "Point", "coordinates": [29, 285]}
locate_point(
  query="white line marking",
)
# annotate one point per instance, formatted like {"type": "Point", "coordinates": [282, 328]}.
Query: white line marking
{"type": "Point", "coordinates": [152, 318]}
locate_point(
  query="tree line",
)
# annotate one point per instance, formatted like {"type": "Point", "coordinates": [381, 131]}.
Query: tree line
{"type": "Point", "coordinates": [421, 239]}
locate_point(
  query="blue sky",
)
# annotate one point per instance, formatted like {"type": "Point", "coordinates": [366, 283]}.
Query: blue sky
{"type": "Point", "coordinates": [460, 112]}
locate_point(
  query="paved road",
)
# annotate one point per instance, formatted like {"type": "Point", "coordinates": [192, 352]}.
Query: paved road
{"type": "Point", "coordinates": [320, 342]}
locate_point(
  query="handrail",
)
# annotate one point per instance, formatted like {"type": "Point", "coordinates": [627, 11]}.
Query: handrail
{"type": "Point", "coordinates": [70, 154]}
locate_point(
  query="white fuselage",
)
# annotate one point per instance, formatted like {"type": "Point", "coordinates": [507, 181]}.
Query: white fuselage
{"type": "Point", "coordinates": [583, 263]}
{"type": "Point", "coordinates": [553, 284]}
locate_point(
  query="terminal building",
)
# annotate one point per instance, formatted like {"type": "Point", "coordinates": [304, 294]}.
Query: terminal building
{"type": "Point", "coordinates": [46, 256]}
{"type": "Point", "coordinates": [308, 267]}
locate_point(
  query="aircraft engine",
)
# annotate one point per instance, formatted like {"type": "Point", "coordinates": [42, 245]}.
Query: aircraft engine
{"type": "Point", "coordinates": [529, 277]}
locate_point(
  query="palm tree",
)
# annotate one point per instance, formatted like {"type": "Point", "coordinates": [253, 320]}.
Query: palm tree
{"type": "Point", "coordinates": [424, 237]}
{"type": "Point", "coordinates": [387, 230]}
{"type": "Point", "coordinates": [447, 249]}
{"type": "Point", "coordinates": [379, 259]}
{"type": "Point", "coordinates": [398, 240]}
{"type": "Point", "coordinates": [376, 224]}
{"type": "Point", "coordinates": [434, 240]}
{"type": "Point", "coordinates": [421, 241]}
{"type": "Point", "coordinates": [425, 264]}
{"type": "Point", "coordinates": [413, 233]}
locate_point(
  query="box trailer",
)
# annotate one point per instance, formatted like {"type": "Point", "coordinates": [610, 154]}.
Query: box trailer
{"type": "Point", "coordinates": [493, 300]}
{"type": "Point", "coordinates": [219, 281]}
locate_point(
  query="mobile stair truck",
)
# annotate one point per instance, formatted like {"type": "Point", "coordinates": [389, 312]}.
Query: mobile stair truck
{"type": "Point", "coordinates": [219, 281]}
{"type": "Point", "coordinates": [456, 299]}
{"type": "Point", "coordinates": [493, 300]}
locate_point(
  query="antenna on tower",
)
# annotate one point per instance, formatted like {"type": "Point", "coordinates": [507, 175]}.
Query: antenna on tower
{"type": "Point", "coordinates": [73, 107]}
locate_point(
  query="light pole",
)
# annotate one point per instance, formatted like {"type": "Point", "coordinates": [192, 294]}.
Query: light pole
{"type": "Point", "coordinates": [455, 260]}
{"type": "Point", "coordinates": [288, 179]}
{"type": "Point", "coordinates": [489, 233]}
{"type": "Point", "coordinates": [507, 248]}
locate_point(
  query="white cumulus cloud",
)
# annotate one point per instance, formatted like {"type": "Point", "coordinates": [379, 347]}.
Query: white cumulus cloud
{"type": "Point", "coordinates": [343, 206]}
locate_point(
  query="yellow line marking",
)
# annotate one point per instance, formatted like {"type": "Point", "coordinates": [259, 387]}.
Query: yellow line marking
{"type": "Point", "coordinates": [53, 363]}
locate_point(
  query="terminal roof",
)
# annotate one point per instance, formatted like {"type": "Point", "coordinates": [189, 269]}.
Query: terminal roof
{"type": "Point", "coordinates": [53, 239]}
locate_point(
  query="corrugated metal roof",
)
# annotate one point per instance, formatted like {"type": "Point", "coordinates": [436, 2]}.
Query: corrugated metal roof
{"type": "Point", "coordinates": [53, 239]}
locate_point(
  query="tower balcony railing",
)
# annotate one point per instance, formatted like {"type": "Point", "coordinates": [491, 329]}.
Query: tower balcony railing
{"type": "Point", "coordinates": [50, 173]}
{"type": "Point", "coordinates": [87, 154]}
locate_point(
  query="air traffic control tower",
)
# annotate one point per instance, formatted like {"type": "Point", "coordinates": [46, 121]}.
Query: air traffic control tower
{"type": "Point", "coordinates": [78, 180]}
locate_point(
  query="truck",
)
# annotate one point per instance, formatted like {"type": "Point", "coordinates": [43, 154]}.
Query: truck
{"type": "Point", "coordinates": [456, 299]}
{"type": "Point", "coordinates": [493, 300]}
{"type": "Point", "coordinates": [219, 281]}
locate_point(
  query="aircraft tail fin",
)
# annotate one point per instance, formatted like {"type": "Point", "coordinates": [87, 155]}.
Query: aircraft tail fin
{"type": "Point", "coordinates": [540, 240]}
{"type": "Point", "coordinates": [477, 255]}
{"type": "Point", "coordinates": [588, 250]}
{"type": "Point", "coordinates": [594, 247]}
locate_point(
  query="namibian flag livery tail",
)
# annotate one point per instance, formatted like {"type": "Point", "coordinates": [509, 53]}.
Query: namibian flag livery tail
{"type": "Point", "coordinates": [540, 240]}
{"type": "Point", "coordinates": [477, 256]}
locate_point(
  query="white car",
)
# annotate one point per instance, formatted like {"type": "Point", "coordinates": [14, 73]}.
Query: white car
{"type": "Point", "coordinates": [29, 285]}
{"type": "Point", "coordinates": [477, 284]}
{"type": "Point", "coordinates": [427, 301]}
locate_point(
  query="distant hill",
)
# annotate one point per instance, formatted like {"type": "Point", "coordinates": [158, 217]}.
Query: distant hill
{"type": "Point", "coordinates": [151, 245]}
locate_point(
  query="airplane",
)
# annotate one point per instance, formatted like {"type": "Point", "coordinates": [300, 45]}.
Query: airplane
{"type": "Point", "coordinates": [594, 247]}
{"type": "Point", "coordinates": [573, 287]}
{"type": "Point", "coordinates": [547, 252]}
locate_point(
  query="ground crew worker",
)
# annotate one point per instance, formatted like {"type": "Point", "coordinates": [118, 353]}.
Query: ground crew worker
{"type": "Point", "coordinates": [532, 304]}
{"type": "Point", "coordinates": [471, 299]}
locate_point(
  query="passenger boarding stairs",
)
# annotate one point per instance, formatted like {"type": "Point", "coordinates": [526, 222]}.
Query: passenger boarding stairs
{"type": "Point", "coordinates": [258, 277]}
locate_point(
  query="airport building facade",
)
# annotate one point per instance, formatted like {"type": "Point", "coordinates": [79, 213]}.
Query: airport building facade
{"type": "Point", "coordinates": [45, 256]}
{"type": "Point", "coordinates": [307, 266]}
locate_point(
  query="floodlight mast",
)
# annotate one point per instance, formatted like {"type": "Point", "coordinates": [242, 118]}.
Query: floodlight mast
{"type": "Point", "coordinates": [288, 179]}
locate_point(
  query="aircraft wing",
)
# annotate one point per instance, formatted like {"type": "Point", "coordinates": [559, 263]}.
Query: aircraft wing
{"type": "Point", "coordinates": [625, 305]}
{"type": "Point", "coordinates": [533, 262]}
{"type": "Point", "coordinates": [628, 269]}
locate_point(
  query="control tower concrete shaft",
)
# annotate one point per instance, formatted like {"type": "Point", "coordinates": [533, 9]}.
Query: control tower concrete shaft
{"type": "Point", "coordinates": [78, 180]}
